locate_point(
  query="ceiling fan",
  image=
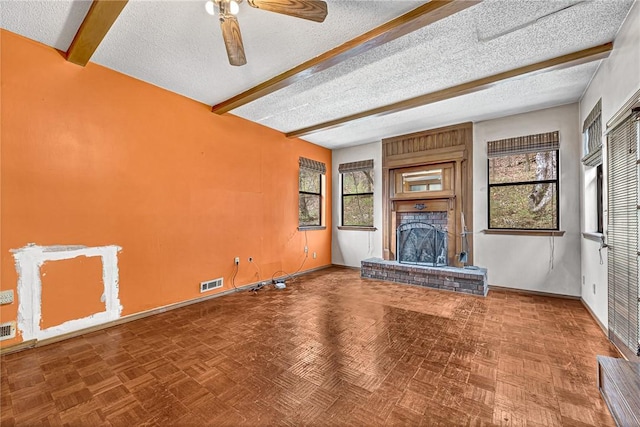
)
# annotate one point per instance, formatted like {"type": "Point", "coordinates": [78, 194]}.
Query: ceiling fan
{"type": "Point", "coordinates": [313, 10]}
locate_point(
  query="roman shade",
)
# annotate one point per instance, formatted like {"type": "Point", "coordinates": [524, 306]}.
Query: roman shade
{"type": "Point", "coordinates": [592, 131]}
{"type": "Point", "coordinates": [524, 144]}
{"type": "Point", "coordinates": [362, 165]}
{"type": "Point", "coordinates": [313, 165]}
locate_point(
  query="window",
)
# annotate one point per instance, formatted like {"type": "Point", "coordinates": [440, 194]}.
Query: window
{"type": "Point", "coordinates": [310, 184]}
{"type": "Point", "coordinates": [357, 193]}
{"type": "Point", "coordinates": [426, 180]}
{"type": "Point", "coordinates": [623, 231]}
{"type": "Point", "coordinates": [523, 182]}
{"type": "Point", "coordinates": [592, 137]}
{"type": "Point", "coordinates": [429, 181]}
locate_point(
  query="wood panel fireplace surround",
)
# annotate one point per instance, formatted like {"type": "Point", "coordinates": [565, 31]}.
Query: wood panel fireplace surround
{"type": "Point", "coordinates": [426, 191]}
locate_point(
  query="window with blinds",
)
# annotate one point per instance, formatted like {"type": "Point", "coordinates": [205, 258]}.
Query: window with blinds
{"type": "Point", "coordinates": [310, 186]}
{"type": "Point", "coordinates": [523, 182]}
{"type": "Point", "coordinates": [357, 193]}
{"type": "Point", "coordinates": [622, 233]}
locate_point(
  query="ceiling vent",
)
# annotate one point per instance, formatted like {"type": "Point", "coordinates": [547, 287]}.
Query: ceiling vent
{"type": "Point", "coordinates": [7, 330]}
{"type": "Point", "coordinates": [210, 285]}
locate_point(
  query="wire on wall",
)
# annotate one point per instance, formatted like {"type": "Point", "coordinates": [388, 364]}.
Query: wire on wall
{"type": "Point", "coordinates": [257, 267]}
{"type": "Point", "coordinates": [233, 278]}
{"type": "Point", "coordinates": [290, 276]}
{"type": "Point", "coordinates": [552, 244]}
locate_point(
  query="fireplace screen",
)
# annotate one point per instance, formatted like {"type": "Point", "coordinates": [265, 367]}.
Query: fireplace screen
{"type": "Point", "coordinates": [421, 243]}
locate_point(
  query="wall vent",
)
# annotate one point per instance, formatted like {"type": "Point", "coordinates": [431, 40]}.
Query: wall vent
{"type": "Point", "coordinates": [7, 330]}
{"type": "Point", "coordinates": [210, 285]}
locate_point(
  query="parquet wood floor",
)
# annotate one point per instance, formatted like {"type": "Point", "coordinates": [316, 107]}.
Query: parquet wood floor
{"type": "Point", "coordinates": [330, 350]}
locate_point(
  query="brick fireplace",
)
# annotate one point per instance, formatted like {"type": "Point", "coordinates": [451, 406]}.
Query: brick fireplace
{"type": "Point", "coordinates": [421, 238]}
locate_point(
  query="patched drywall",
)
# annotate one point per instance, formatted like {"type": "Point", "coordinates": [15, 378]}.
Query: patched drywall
{"type": "Point", "coordinates": [29, 260]}
{"type": "Point", "coordinates": [69, 280]}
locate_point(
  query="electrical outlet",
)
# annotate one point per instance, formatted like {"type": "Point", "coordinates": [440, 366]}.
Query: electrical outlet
{"type": "Point", "coordinates": [306, 249]}
{"type": "Point", "coordinates": [6, 297]}
{"type": "Point", "coordinates": [594, 288]}
{"type": "Point", "coordinates": [237, 260]}
{"type": "Point", "coordinates": [314, 255]}
{"type": "Point", "coordinates": [583, 280]}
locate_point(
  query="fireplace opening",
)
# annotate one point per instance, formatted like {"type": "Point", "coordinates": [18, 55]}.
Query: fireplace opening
{"type": "Point", "coordinates": [421, 243]}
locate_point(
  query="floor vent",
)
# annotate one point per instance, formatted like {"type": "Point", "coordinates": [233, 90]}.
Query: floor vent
{"type": "Point", "coordinates": [210, 285]}
{"type": "Point", "coordinates": [7, 330]}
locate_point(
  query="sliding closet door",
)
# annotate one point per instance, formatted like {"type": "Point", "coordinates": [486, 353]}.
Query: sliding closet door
{"type": "Point", "coordinates": [623, 235]}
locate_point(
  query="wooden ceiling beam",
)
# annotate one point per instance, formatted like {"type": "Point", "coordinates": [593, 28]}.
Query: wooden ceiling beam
{"type": "Point", "coordinates": [565, 61]}
{"type": "Point", "coordinates": [413, 20]}
{"type": "Point", "coordinates": [100, 17]}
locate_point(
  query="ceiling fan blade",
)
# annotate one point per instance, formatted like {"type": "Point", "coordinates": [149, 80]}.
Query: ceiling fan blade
{"type": "Point", "coordinates": [232, 40]}
{"type": "Point", "coordinates": [313, 10]}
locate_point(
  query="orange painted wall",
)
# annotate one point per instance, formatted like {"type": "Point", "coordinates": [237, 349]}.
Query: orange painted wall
{"type": "Point", "coordinates": [92, 157]}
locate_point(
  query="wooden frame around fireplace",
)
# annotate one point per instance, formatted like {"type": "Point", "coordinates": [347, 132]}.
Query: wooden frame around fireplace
{"type": "Point", "coordinates": [451, 146]}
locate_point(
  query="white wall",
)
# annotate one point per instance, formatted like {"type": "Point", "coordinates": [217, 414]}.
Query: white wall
{"type": "Point", "coordinates": [349, 247]}
{"type": "Point", "coordinates": [617, 79]}
{"type": "Point", "coordinates": [523, 262]}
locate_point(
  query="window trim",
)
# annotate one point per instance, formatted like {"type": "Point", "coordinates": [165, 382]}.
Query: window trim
{"type": "Point", "coordinates": [524, 232]}
{"type": "Point", "coordinates": [356, 228]}
{"type": "Point", "coordinates": [555, 181]}
{"type": "Point", "coordinates": [600, 198]}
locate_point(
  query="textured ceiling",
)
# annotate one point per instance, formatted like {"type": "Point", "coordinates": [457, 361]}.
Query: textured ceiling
{"type": "Point", "coordinates": [177, 46]}
{"type": "Point", "coordinates": [515, 96]}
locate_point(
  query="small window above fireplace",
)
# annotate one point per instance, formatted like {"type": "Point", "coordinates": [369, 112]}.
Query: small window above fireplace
{"type": "Point", "coordinates": [425, 180]}
{"type": "Point", "coordinates": [433, 181]}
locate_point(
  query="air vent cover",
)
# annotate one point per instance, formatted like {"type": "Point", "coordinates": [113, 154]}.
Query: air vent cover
{"type": "Point", "coordinates": [7, 330]}
{"type": "Point", "coordinates": [210, 285]}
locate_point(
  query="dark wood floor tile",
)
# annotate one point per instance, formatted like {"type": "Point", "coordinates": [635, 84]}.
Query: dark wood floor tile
{"type": "Point", "coordinates": [364, 415]}
{"type": "Point", "coordinates": [414, 401]}
{"type": "Point", "coordinates": [83, 412]}
{"type": "Point", "coordinates": [101, 381]}
{"type": "Point", "coordinates": [28, 379]}
{"type": "Point", "coordinates": [128, 415]}
{"type": "Point", "coordinates": [508, 416]}
{"type": "Point", "coordinates": [438, 415]}
{"type": "Point", "coordinates": [70, 398]}
{"type": "Point", "coordinates": [401, 416]}
{"type": "Point", "coordinates": [113, 395]}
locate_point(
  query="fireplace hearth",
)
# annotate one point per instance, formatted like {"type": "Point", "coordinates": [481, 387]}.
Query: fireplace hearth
{"type": "Point", "coordinates": [468, 280]}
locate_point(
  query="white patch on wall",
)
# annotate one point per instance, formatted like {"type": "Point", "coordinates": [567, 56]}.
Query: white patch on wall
{"type": "Point", "coordinates": [28, 261]}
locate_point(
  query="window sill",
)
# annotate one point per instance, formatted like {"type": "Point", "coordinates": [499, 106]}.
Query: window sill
{"type": "Point", "coordinates": [356, 228]}
{"type": "Point", "coordinates": [525, 232]}
{"type": "Point", "coordinates": [596, 237]}
{"type": "Point", "coordinates": [312, 227]}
